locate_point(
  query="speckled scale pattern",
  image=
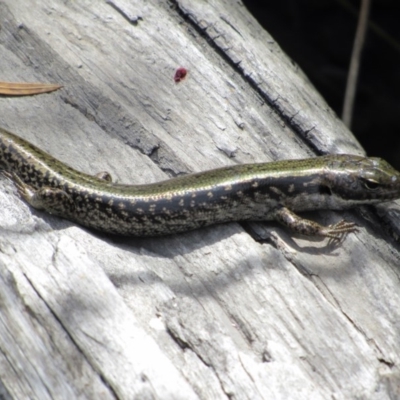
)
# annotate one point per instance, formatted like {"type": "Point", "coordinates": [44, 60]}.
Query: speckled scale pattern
{"type": "Point", "coordinates": [266, 191]}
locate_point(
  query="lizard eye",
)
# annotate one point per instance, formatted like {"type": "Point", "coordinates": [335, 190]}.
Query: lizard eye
{"type": "Point", "coordinates": [371, 184]}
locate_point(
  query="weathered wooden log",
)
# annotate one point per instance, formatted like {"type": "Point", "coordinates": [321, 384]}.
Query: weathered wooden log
{"type": "Point", "coordinates": [244, 311]}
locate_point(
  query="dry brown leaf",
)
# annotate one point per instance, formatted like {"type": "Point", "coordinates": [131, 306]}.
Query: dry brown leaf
{"type": "Point", "coordinates": [26, 89]}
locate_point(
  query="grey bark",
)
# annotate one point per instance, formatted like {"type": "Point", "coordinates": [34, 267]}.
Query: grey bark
{"type": "Point", "coordinates": [231, 311]}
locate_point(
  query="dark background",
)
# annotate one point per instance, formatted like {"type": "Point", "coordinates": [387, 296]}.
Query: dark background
{"type": "Point", "coordinates": [318, 35]}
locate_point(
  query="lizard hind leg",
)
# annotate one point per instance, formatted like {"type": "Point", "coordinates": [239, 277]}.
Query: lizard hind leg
{"type": "Point", "coordinates": [104, 176]}
{"type": "Point", "coordinates": [54, 201]}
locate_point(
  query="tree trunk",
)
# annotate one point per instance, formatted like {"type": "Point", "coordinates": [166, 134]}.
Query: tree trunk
{"type": "Point", "coordinates": [244, 311]}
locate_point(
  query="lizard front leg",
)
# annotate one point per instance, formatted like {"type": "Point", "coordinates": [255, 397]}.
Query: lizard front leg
{"type": "Point", "coordinates": [311, 228]}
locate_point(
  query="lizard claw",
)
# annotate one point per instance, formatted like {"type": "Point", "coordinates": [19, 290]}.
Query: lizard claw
{"type": "Point", "coordinates": [336, 232]}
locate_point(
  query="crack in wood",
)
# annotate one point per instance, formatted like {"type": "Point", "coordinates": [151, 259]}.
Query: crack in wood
{"type": "Point", "coordinates": [4, 393]}
{"type": "Point", "coordinates": [134, 20]}
{"type": "Point", "coordinates": [190, 19]}
{"type": "Point", "coordinates": [70, 337]}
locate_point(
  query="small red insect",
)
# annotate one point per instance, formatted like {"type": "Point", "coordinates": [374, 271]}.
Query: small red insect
{"type": "Point", "coordinates": [180, 74]}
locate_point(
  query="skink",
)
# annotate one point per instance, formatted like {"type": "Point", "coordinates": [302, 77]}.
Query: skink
{"type": "Point", "coordinates": [250, 192]}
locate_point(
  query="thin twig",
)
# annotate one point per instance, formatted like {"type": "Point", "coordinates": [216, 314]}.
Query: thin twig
{"type": "Point", "coordinates": [26, 89]}
{"type": "Point", "coordinates": [355, 63]}
{"type": "Point", "coordinates": [373, 27]}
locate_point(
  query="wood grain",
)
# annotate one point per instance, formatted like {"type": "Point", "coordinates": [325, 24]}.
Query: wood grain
{"type": "Point", "coordinates": [232, 311]}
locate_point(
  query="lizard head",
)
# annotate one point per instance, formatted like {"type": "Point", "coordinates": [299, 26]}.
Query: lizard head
{"type": "Point", "coordinates": [361, 179]}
